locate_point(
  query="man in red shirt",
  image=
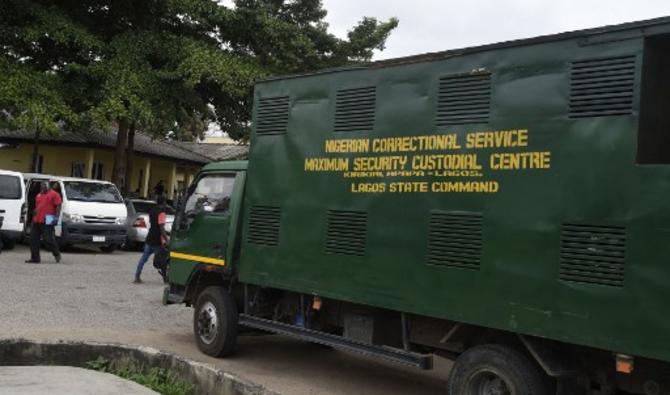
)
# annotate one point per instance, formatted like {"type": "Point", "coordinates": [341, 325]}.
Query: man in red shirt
{"type": "Point", "coordinates": [45, 217]}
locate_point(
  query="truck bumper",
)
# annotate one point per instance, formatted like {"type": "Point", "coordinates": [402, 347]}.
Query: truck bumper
{"type": "Point", "coordinates": [93, 234]}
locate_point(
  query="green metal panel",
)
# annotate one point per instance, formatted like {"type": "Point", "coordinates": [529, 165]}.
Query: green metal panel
{"type": "Point", "coordinates": [516, 281]}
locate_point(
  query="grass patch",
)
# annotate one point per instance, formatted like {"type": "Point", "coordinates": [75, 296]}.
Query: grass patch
{"type": "Point", "coordinates": [159, 380]}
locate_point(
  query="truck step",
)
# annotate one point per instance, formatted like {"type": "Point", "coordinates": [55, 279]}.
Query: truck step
{"type": "Point", "coordinates": [422, 361]}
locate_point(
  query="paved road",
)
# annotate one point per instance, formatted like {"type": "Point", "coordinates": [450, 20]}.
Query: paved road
{"type": "Point", "coordinates": [89, 296]}
{"type": "Point", "coordinates": [65, 380]}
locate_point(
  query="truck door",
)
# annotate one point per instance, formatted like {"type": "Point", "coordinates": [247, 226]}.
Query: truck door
{"type": "Point", "coordinates": [200, 234]}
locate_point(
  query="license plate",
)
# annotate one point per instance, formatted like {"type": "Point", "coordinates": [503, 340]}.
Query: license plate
{"type": "Point", "coordinates": [98, 239]}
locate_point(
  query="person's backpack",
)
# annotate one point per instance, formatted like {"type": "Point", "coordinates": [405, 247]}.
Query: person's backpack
{"type": "Point", "coordinates": [161, 261]}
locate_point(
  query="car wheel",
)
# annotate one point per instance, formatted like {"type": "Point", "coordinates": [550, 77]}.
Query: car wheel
{"type": "Point", "coordinates": [215, 322]}
{"type": "Point", "coordinates": [108, 249]}
{"type": "Point", "coordinates": [62, 243]}
{"type": "Point", "coordinates": [496, 369]}
{"type": "Point", "coordinates": [9, 244]}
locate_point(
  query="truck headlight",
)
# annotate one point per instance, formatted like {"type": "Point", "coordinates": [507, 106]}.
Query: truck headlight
{"type": "Point", "coordinates": [120, 221]}
{"type": "Point", "coordinates": [73, 218]}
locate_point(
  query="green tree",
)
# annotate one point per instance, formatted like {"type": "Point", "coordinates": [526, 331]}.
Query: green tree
{"type": "Point", "coordinates": [164, 67]}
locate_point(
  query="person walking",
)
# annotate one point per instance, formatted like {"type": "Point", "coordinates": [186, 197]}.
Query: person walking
{"type": "Point", "coordinates": [159, 189]}
{"type": "Point", "coordinates": [157, 238]}
{"type": "Point", "coordinates": [45, 218]}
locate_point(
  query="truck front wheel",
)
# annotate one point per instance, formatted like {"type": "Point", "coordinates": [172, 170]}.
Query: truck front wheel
{"type": "Point", "coordinates": [496, 369]}
{"type": "Point", "coordinates": [215, 322]}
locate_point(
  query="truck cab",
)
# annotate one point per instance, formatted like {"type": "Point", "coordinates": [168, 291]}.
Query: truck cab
{"type": "Point", "coordinates": [205, 233]}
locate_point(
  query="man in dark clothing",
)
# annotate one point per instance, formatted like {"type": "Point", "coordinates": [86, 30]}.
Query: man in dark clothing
{"type": "Point", "coordinates": [159, 189]}
{"type": "Point", "coordinates": [157, 238]}
{"type": "Point", "coordinates": [45, 217]}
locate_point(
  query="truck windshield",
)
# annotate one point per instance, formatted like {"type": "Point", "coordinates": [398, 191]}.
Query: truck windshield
{"type": "Point", "coordinates": [10, 187]}
{"type": "Point", "coordinates": [92, 192]}
{"type": "Point", "coordinates": [211, 194]}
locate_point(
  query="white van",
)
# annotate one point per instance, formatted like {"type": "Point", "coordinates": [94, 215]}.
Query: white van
{"type": "Point", "coordinates": [12, 207]}
{"type": "Point", "coordinates": [93, 211]}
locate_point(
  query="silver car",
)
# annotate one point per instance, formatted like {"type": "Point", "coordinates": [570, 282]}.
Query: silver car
{"type": "Point", "coordinates": [138, 221]}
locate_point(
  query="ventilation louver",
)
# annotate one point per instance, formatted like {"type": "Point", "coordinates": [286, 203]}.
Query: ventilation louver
{"type": "Point", "coordinates": [593, 254]}
{"type": "Point", "coordinates": [355, 109]}
{"type": "Point", "coordinates": [455, 239]}
{"type": "Point", "coordinates": [264, 223]}
{"type": "Point", "coordinates": [347, 232]}
{"type": "Point", "coordinates": [272, 117]}
{"type": "Point", "coordinates": [602, 87]}
{"type": "Point", "coordinates": [464, 99]}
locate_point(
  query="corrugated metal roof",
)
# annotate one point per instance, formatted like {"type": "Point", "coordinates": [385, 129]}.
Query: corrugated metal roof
{"type": "Point", "coordinates": [218, 152]}
{"type": "Point", "coordinates": [143, 143]}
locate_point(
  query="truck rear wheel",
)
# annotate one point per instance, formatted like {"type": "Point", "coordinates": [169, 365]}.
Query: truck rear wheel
{"type": "Point", "coordinates": [215, 322]}
{"type": "Point", "coordinates": [496, 369]}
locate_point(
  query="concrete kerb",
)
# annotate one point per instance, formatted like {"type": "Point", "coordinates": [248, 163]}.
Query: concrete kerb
{"type": "Point", "coordinates": [206, 378]}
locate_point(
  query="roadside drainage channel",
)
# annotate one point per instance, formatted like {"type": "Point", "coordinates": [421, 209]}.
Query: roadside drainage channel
{"type": "Point", "coordinates": [205, 378]}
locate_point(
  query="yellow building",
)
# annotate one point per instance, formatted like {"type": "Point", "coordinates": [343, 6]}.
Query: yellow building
{"type": "Point", "coordinates": [91, 155]}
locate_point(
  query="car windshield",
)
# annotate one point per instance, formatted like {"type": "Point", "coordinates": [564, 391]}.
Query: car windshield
{"type": "Point", "coordinates": [144, 207]}
{"type": "Point", "coordinates": [10, 187]}
{"type": "Point", "coordinates": [92, 192]}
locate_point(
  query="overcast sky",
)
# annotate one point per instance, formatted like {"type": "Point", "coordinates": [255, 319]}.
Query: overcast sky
{"type": "Point", "coordinates": [437, 25]}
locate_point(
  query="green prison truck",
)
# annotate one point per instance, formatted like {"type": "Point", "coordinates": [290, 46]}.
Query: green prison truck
{"type": "Point", "coordinates": [506, 206]}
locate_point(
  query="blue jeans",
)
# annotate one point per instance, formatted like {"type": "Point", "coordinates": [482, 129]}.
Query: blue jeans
{"type": "Point", "coordinates": [148, 251]}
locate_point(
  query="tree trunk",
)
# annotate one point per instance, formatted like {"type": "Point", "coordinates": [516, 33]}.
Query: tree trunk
{"type": "Point", "coordinates": [119, 173]}
{"type": "Point", "coordinates": [130, 156]}
{"type": "Point", "coordinates": [34, 168]}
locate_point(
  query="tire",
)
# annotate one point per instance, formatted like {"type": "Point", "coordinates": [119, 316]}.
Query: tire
{"type": "Point", "coordinates": [493, 369]}
{"type": "Point", "coordinates": [9, 244]}
{"type": "Point", "coordinates": [62, 244]}
{"type": "Point", "coordinates": [215, 322]}
{"type": "Point", "coordinates": [108, 249]}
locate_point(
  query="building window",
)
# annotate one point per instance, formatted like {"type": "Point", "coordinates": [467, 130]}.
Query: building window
{"type": "Point", "coordinates": [98, 172]}
{"type": "Point", "coordinates": [78, 169]}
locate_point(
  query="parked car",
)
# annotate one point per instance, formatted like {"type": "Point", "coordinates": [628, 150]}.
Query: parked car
{"type": "Point", "coordinates": [138, 221]}
{"type": "Point", "coordinates": [12, 207]}
{"type": "Point", "coordinates": [93, 212]}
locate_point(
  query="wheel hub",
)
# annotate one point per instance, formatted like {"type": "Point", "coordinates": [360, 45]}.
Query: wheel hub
{"type": "Point", "coordinates": [207, 323]}
{"type": "Point", "coordinates": [488, 383]}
